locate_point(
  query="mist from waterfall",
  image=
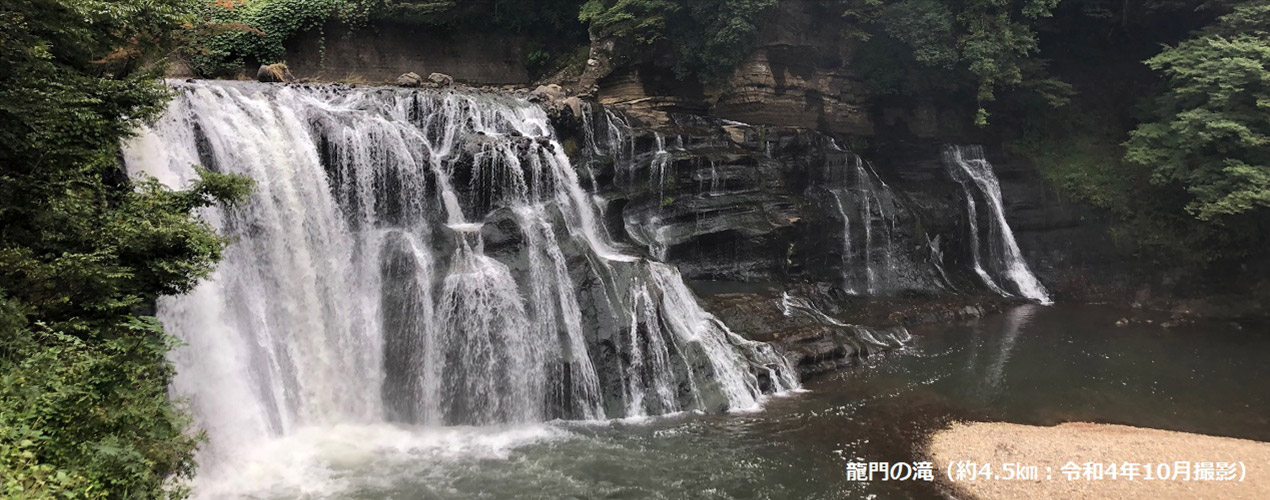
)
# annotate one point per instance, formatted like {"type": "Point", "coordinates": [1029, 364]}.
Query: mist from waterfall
{"type": "Point", "coordinates": [424, 258]}
{"type": "Point", "coordinates": [1000, 265]}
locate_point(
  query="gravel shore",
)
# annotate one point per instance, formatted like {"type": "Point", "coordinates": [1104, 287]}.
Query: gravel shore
{"type": "Point", "coordinates": [1050, 448]}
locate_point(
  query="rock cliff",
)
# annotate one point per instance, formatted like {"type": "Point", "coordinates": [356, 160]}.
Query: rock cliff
{"type": "Point", "coordinates": [797, 202]}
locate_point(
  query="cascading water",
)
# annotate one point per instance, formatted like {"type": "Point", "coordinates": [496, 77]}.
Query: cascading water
{"type": "Point", "coordinates": [864, 341]}
{"type": "Point", "coordinates": [971, 169]}
{"type": "Point", "coordinates": [873, 262]}
{"type": "Point", "coordinates": [423, 258]}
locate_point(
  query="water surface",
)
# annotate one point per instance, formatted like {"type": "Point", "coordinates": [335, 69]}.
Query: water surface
{"type": "Point", "coordinates": [1033, 364]}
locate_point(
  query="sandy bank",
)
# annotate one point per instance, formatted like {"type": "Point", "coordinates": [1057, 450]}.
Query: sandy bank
{"type": "Point", "coordinates": [1122, 451]}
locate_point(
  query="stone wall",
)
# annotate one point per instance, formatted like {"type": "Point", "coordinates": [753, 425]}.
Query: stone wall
{"type": "Point", "coordinates": [381, 53]}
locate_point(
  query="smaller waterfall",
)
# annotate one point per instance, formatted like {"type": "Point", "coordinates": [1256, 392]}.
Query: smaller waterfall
{"type": "Point", "coordinates": [873, 259]}
{"type": "Point", "coordinates": [971, 169]}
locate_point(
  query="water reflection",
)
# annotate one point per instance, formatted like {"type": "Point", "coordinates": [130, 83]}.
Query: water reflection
{"type": "Point", "coordinates": [1016, 321]}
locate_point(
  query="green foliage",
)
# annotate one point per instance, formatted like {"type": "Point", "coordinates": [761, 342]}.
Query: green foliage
{"type": "Point", "coordinates": [1154, 180]}
{"type": "Point", "coordinates": [997, 41]}
{"type": "Point", "coordinates": [716, 38]}
{"type": "Point", "coordinates": [926, 26]}
{"type": "Point", "coordinates": [421, 12]}
{"type": "Point", "coordinates": [1078, 151]}
{"type": "Point", "coordinates": [90, 418]}
{"type": "Point", "coordinates": [1210, 132]}
{"type": "Point", "coordinates": [641, 20]}
{"type": "Point", "coordinates": [709, 38]}
{"type": "Point", "coordinates": [917, 43]}
{"type": "Point", "coordinates": [547, 20]}
{"type": "Point", "coordinates": [229, 34]}
{"type": "Point", "coordinates": [84, 411]}
{"type": "Point", "coordinates": [236, 32]}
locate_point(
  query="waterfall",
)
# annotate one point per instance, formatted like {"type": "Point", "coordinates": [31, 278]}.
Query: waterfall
{"type": "Point", "coordinates": [427, 258]}
{"type": "Point", "coordinates": [873, 262]}
{"type": "Point", "coordinates": [971, 169]}
{"type": "Point", "coordinates": [858, 193]}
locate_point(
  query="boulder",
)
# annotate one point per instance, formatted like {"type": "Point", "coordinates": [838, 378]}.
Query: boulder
{"type": "Point", "coordinates": [410, 80]}
{"type": "Point", "coordinates": [550, 92]}
{"type": "Point", "coordinates": [441, 79]}
{"type": "Point", "coordinates": [274, 73]}
{"type": "Point", "coordinates": [575, 106]}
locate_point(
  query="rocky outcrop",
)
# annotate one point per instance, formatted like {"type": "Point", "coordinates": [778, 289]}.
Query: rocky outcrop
{"type": "Point", "coordinates": [735, 202]}
{"type": "Point", "coordinates": [789, 172]}
{"type": "Point", "coordinates": [1068, 244]}
{"type": "Point", "coordinates": [822, 330]}
{"type": "Point", "coordinates": [799, 75]}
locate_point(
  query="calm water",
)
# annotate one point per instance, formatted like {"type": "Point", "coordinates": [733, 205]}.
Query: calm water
{"type": "Point", "coordinates": [1033, 364]}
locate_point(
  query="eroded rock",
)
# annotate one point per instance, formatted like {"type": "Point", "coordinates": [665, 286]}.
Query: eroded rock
{"type": "Point", "coordinates": [410, 80]}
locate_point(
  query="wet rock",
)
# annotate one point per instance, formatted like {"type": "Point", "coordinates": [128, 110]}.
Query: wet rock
{"type": "Point", "coordinates": [441, 79]}
{"type": "Point", "coordinates": [1122, 322]}
{"type": "Point", "coordinates": [410, 80]}
{"type": "Point", "coordinates": [971, 312]}
{"type": "Point", "coordinates": [274, 73]}
{"type": "Point", "coordinates": [574, 105]}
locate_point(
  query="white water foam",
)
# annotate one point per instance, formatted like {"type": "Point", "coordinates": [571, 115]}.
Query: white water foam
{"type": "Point", "coordinates": [971, 169]}
{"type": "Point", "coordinates": [359, 289]}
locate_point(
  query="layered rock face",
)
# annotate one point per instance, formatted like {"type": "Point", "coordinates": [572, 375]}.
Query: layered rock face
{"type": "Point", "coordinates": [798, 75]}
{"type": "Point", "coordinates": [726, 201]}
{"type": "Point", "coordinates": [752, 189]}
{"type": "Point", "coordinates": [787, 234]}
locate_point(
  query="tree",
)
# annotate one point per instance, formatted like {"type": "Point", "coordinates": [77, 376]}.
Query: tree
{"type": "Point", "coordinates": [709, 38]}
{"type": "Point", "coordinates": [84, 410]}
{"type": "Point", "coordinates": [1210, 131]}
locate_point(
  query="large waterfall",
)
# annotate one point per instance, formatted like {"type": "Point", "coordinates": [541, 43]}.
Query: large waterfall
{"type": "Point", "coordinates": [1002, 269]}
{"type": "Point", "coordinates": [427, 258]}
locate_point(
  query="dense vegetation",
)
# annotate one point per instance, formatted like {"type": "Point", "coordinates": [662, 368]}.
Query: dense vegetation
{"type": "Point", "coordinates": [84, 409]}
{"type": "Point", "coordinates": [1210, 129]}
{"type": "Point", "coordinates": [709, 38]}
{"type": "Point", "coordinates": [992, 42]}
{"type": "Point", "coordinates": [1175, 148]}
